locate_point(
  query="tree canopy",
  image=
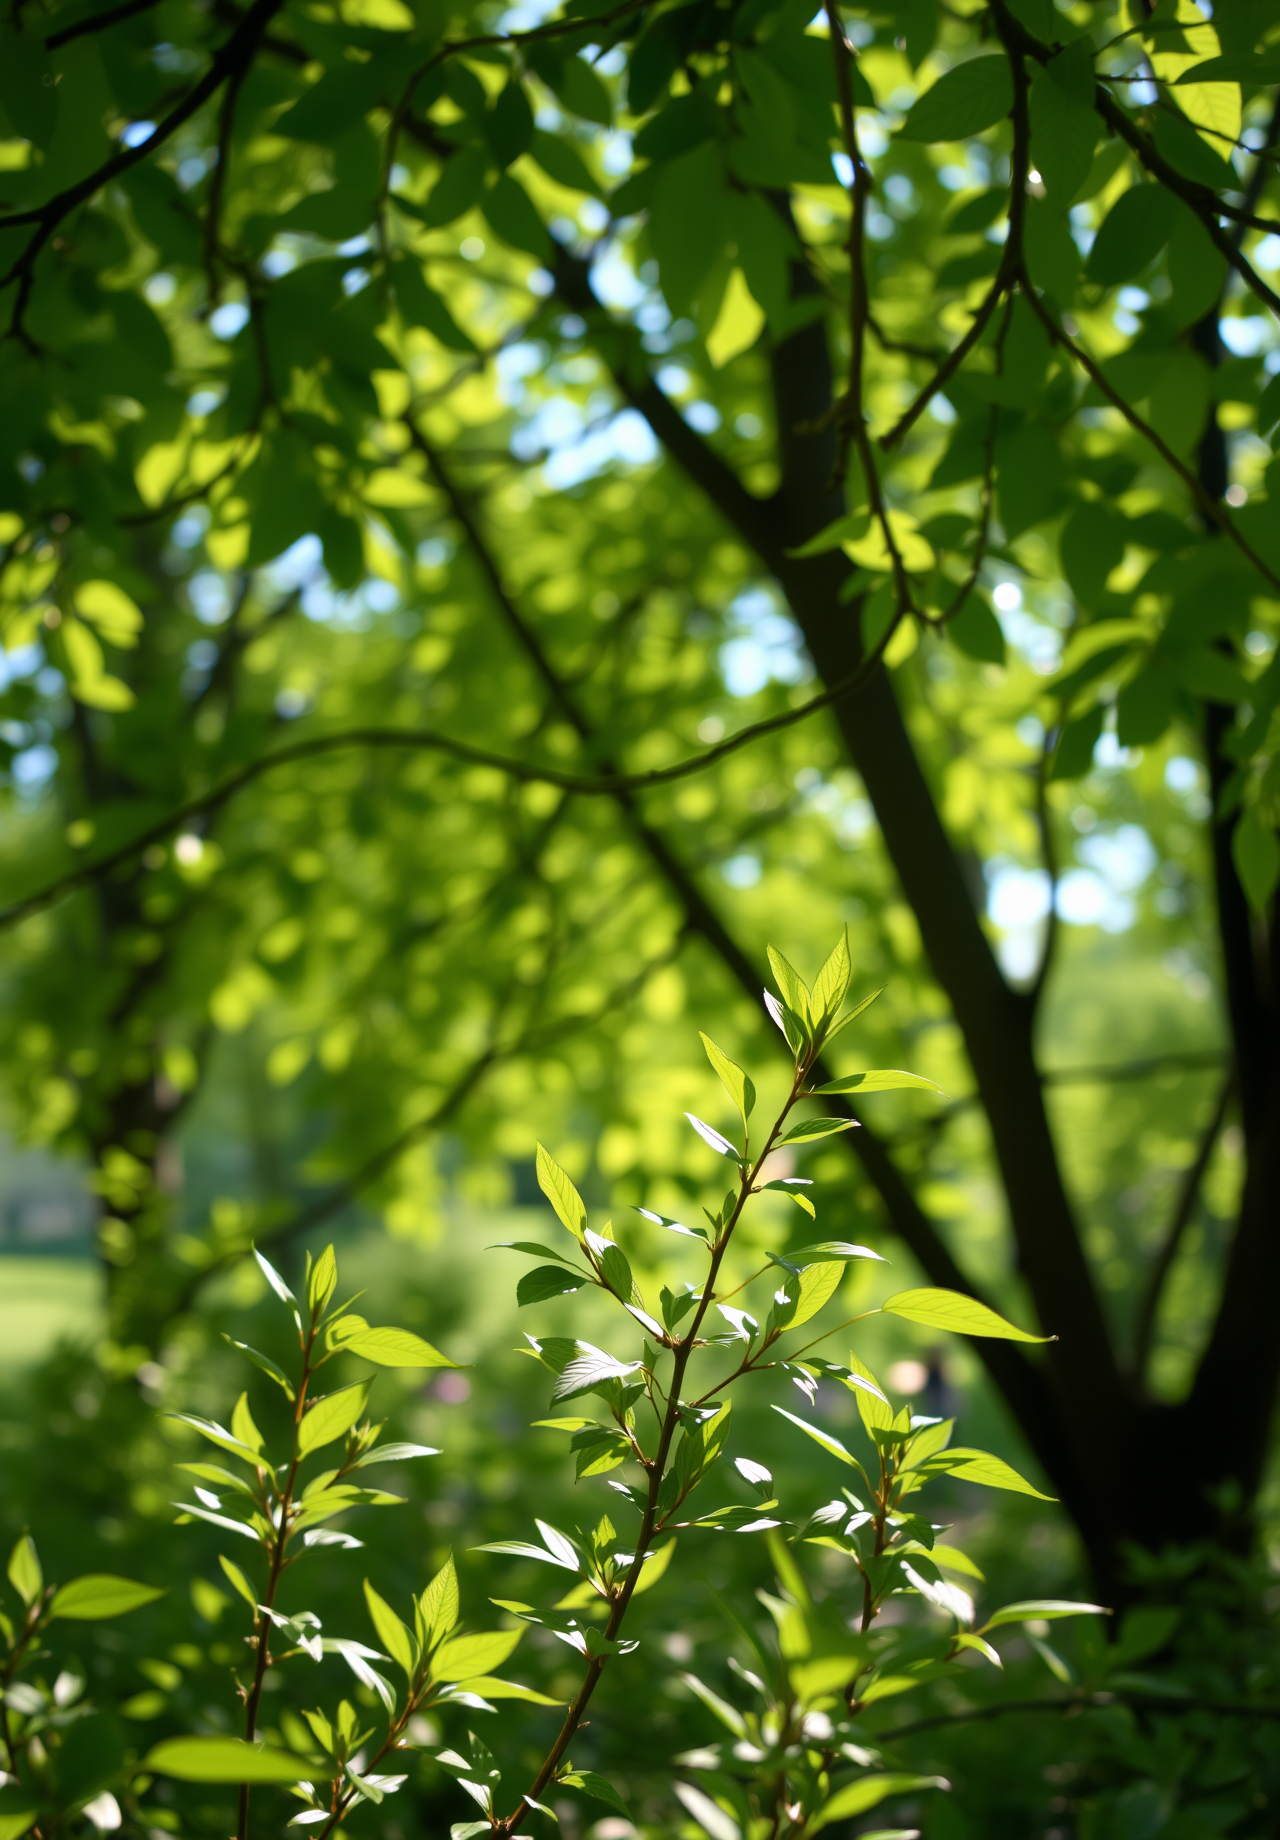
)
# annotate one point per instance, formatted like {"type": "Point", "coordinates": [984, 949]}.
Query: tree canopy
{"type": "Point", "coordinates": [502, 512]}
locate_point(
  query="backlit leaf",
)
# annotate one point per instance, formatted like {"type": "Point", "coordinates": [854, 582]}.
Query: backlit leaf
{"type": "Point", "coordinates": [101, 1594]}
{"type": "Point", "coordinates": [1044, 1609]}
{"type": "Point", "coordinates": [395, 1348]}
{"type": "Point", "coordinates": [961, 1315]}
{"type": "Point", "coordinates": [224, 1760]}
{"type": "Point", "coordinates": [332, 1417]}
{"type": "Point", "coordinates": [868, 1792]}
{"type": "Point", "coordinates": [465, 1656]}
{"type": "Point", "coordinates": [971, 97]}
{"type": "Point", "coordinates": [561, 1193]}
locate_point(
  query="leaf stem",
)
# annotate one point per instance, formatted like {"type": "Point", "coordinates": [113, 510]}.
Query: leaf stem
{"type": "Point", "coordinates": [284, 1502]}
{"type": "Point", "coordinates": [681, 1354]}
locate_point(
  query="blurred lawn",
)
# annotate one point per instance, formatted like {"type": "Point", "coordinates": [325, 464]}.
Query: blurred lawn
{"type": "Point", "coordinates": [43, 1302]}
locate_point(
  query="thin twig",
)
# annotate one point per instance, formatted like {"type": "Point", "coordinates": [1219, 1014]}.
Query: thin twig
{"type": "Point", "coordinates": [1183, 1212]}
{"type": "Point", "coordinates": [853, 420]}
{"type": "Point", "coordinates": [45, 218]}
{"type": "Point", "coordinates": [1205, 500]}
{"type": "Point", "coordinates": [98, 22]}
{"type": "Point", "coordinates": [604, 785]}
{"type": "Point", "coordinates": [1006, 274]}
{"type": "Point", "coordinates": [213, 204]}
{"type": "Point", "coordinates": [1048, 850]}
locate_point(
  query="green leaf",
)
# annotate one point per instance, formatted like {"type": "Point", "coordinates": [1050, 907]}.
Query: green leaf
{"type": "Point", "coordinates": [957, 1313]}
{"type": "Point", "coordinates": [421, 305]}
{"type": "Point", "coordinates": [1197, 268]}
{"type": "Point", "coordinates": [27, 90]}
{"type": "Point", "coordinates": [677, 128]}
{"type": "Point", "coordinates": [953, 1560]}
{"type": "Point", "coordinates": [1064, 123]}
{"type": "Point", "coordinates": [656, 1562]}
{"type": "Point", "coordinates": [531, 1246]}
{"type": "Point", "coordinates": [806, 1295]}
{"type": "Point", "coordinates": [868, 1792]}
{"type": "Point", "coordinates": [709, 1815]}
{"type": "Point", "coordinates": [222, 1520]}
{"type": "Point", "coordinates": [109, 608]}
{"type": "Point", "coordinates": [972, 96]}
{"type": "Point", "coordinates": [976, 630]}
{"type": "Point", "coordinates": [1046, 1608]}
{"type": "Point", "coordinates": [830, 1444]}
{"type": "Point", "coordinates": [437, 1610]}
{"type": "Point", "coordinates": [851, 1015]}
{"type": "Point", "coordinates": [512, 214]}
{"type": "Point", "coordinates": [274, 1279]}
{"type": "Point", "coordinates": [825, 1251]}
{"type": "Point", "coordinates": [332, 1417]}
{"type": "Point", "coordinates": [1073, 755]}
{"type": "Point", "coordinates": [243, 1427]}
{"type": "Point", "coordinates": [813, 1130]}
{"type": "Point", "coordinates": [224, 1760]}
{"type": "Point", "coordinates": [1177, 142]}
{"type": "Point", "coordinates": [101, 1594]}
{"type": "Point", "coordinates": [968, 1639]}
{"type": "Point", "coordinates": [598, 1450]}
{"type": "Point", "coordinates": [12, 1825]}
{"type": "Point", "coordinates": [394, 1454]}
{"type": "Point", "coordinates": [1256, 854]}
{"type": "Point", "coordinates": [488, 1687]}
{"type": "Point", "coordinates": [392, 1634]}
{"type": "Point", "coordinates": [715, 1140]}
{"type": "Point", "coordinates": [561, 1193]}
{"type": "Point", "coordinates": [260, 1361]}
{"type": "Point", "coordinates": [459, 187]}
{"type": "Point", "coordinates": [25, 1574]}
{"type": "Point", "coordinates": [1053, 260]}
{"type": "Point", "coordinates": [980, 1467]}
{"type": "Point", "coordinates": [589, 1369]}
{"type": "Point", "coordinates": [599, 1787]}
{"type": "Point", "coordinates": [831, 986]}
{"type": "Point", "coordinates": [791, 986]}
{"type": "Point", "coordinates": [1233, 67]}
{"type": "Point", "coordinates": [1092, 543]}
{"type": "Point", "coordinates": [394, 1348]}
{"type": "Point", "coordinates": [322, 1280]}
{"type": "Point", "coordinates": [561, 161]}
{"type": "Point", "coordinates": [736, 1083]}
{"type": "Point", "coordinates": [466, 1656]}
{"type": "Point", "coordinates": [548, 1281]}
{"type": "Point", "coordinates": [509, 126]}
{"type": "Point", "coordinates": [874, 1408]}
{"type": "Point", "coordinates": [239, 1582]}
{"type": "Point", "coordinates": [1132, 234]}
{"type": "Point", "coordinates": [700, 1447]}
{"type": "Point", "coordinates": [878, 1079]}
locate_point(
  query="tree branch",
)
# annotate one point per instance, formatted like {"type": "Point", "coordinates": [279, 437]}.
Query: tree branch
{"type": "Point", "coordinates": [1197, 198]}
{"type": "Point", "coordinates": [237, 52]}
{"type": "Point", "coordinates": [98, 22]}
{"type": "Point", "coordinates": [1184, 1208]}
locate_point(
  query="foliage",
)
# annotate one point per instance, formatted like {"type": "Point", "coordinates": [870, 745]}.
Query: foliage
{"type": "Point", "coordinates": [302, 300]}
{"type": "Point", "coordinates": [72, 1758]}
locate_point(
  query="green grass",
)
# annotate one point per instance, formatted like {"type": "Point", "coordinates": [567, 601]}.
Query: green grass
{"type": "Point", "coordinates": [43, 1302]}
